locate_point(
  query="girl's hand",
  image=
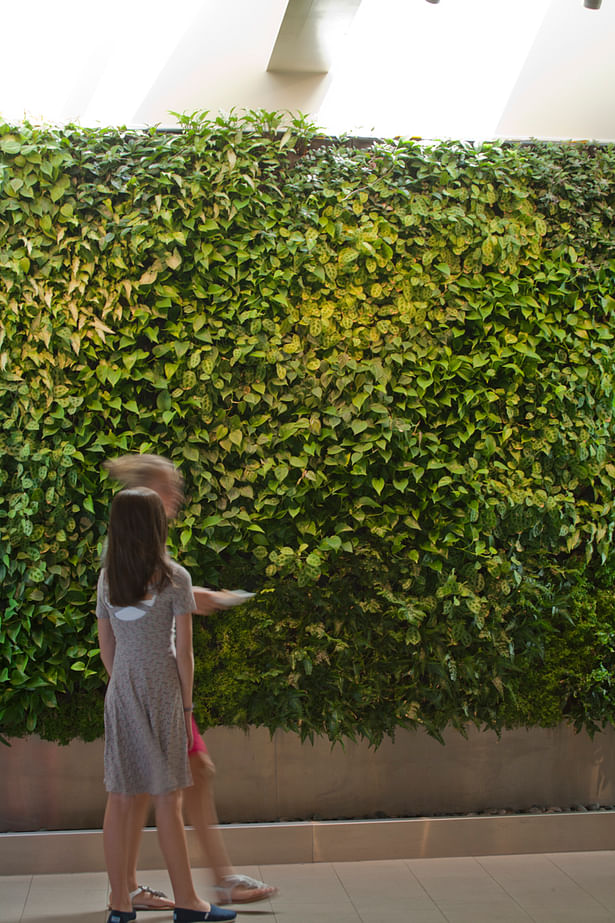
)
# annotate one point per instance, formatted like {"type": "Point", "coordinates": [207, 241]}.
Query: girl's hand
{"type": "Point", "coordinates": [188, 721]}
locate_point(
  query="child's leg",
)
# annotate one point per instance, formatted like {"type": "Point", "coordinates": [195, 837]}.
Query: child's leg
{"type": "Point", "coordinates": [115, 841]}
{"type": "Point", "coordinates": [200, 811]}
{"type": "Point", "coordinates": [172, 836]}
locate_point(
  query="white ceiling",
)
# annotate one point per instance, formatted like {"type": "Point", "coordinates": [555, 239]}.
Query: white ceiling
{"type": "Point", "coordinates": [460, 68]}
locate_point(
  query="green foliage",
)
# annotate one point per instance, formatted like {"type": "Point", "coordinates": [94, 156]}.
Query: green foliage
{"type": "Point", "coordinates": [574, 675]}
{"type": "Point", "coordinates": [387, 375]}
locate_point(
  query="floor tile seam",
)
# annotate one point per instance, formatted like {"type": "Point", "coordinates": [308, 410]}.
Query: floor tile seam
{"type": "Point", "coordinates": [345, 890]}
{"type": "Point", "coordinates": [367, 915]}
{"type": "Point", "coordinates": [511, 904]}
{"type": "Point", "coordinates": [26, 898]}
{"type": "Point", "coordinates": [550, 858]}
{"type": "Point", "coordinates": [531, 908]}
{"type": "Point", "coordinates": [423, 888]}
{"type": "Point", "coordinates": [426, 892]}
{"type": "Point", "coordinates": [443, 914]}
{"type": "Point", "coordinates": [320, 866]}
{"type": "Point", "coordinates": [269, 902]}
{"type": "Point", "coordinates": [473, 859]}
{"type": "Point", "coordinates": [523, 909]}
{"type": "Point", "coordinates": [578, 884]}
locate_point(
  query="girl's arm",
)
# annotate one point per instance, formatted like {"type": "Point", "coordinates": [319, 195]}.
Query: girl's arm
{"type": "Point", "coordinates": [106, 642]}
{"type": "Point", "coordinates": [205, 600]}
{"type": "Point", "coordinates": [185, 666]}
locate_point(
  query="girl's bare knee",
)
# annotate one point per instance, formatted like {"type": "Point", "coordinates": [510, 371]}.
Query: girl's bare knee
{"type": "Point", "coordinates": [120, 801]}
{"type": "Point", "coordinates": [168, 800]}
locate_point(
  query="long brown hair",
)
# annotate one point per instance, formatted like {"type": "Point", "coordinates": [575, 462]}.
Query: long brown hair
{"type": "Point", "coordinates": [136, 551]}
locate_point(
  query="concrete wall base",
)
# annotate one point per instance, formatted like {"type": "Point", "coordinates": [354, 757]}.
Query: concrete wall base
{"type": "Point", "coordinates": [272, 844]}
{"type": "Point", "coordinates": [263, 779]}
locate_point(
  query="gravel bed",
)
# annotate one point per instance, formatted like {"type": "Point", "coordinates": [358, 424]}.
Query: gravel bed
{"type": "Point", "coordinates": [489, 812]}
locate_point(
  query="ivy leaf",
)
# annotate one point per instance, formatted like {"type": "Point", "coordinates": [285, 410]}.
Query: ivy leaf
{"type": "Point", "coordinates": [9, 145]}
{"type": "Point", "coordinates": [332, 541]}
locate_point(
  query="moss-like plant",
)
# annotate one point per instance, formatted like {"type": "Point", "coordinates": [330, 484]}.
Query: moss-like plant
{"type": "Point", "coordinates": [386, 372]}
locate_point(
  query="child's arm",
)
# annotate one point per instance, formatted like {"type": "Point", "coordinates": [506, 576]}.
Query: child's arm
{"type": "Point", "coordinates": [205, 600]}
{"type": "Point", "coordinates": [106, 642]}
{"type": "Point", "coordinates": [185, 666]}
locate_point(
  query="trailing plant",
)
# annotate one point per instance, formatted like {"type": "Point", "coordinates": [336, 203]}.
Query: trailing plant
{"type": "Point", "coordinates": [386, 372]}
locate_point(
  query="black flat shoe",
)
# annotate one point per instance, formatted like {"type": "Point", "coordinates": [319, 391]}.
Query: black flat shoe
{"type": "Point", "coordinates": [213, 915]}
{"type": "Point", "coordinates": [121, 916]}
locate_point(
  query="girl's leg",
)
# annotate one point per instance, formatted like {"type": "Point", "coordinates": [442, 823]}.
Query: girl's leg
{"type": "Point", "coordinates": [115, 841]}
{"type": "Point", "coordinates": [200, 811]}
{"type": "Point", "coordinates": [136, 823]}
{"type": "Point", "coordinates": [172, 838]}
{"type": "Point", "coordinates": [146, 899]}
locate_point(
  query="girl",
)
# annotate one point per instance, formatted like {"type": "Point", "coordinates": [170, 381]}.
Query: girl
{"type": "Point", "coordinates": [159, 474]}
{"type": "Point", "coordinates": [148, 705]}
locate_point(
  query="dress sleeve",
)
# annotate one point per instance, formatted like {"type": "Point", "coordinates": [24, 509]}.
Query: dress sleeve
{"type": "Point", "coordinates": [102, 607]}
{"type": "Point", "coordinates": [183, 597]}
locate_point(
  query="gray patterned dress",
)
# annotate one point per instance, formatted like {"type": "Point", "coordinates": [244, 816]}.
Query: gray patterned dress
{"type": "Point", "coordinates": [145, 734]}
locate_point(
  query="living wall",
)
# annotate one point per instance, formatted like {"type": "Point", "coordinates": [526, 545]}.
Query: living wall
{"type": "Point", "coordinates": [386, 372]}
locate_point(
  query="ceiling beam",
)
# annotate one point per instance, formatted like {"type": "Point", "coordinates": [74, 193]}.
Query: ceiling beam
{"type": "Point", "coordinates": [310, 35]}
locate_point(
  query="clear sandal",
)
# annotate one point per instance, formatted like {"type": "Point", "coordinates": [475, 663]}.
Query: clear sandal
{"type": "Point", "coordinates": [250, 890]}
{"type": "Point", "coordinates": [146, 898]}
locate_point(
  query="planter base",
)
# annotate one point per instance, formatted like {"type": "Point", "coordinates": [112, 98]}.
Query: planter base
{"type": "Point", "coordinates": [263, 779]}
{"type": "Point", "coordinates": [329, 841]}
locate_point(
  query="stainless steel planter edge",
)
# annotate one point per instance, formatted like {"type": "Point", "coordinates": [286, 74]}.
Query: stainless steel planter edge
{"type": "Point", "coordinates": [57, 852]}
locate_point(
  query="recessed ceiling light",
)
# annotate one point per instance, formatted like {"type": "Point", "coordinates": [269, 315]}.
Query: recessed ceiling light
{"type": "Point", "coordinates": [588, 4]}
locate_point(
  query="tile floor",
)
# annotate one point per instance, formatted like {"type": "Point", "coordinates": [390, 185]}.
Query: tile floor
{"type": "Point", "coordinates": [553, 888]}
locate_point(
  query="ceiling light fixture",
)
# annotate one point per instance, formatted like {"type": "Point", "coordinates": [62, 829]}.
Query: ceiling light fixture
{"type": "Point", "coordinates": [589, 4]}
{"type": "Point", "coordinates": [437, 1]}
